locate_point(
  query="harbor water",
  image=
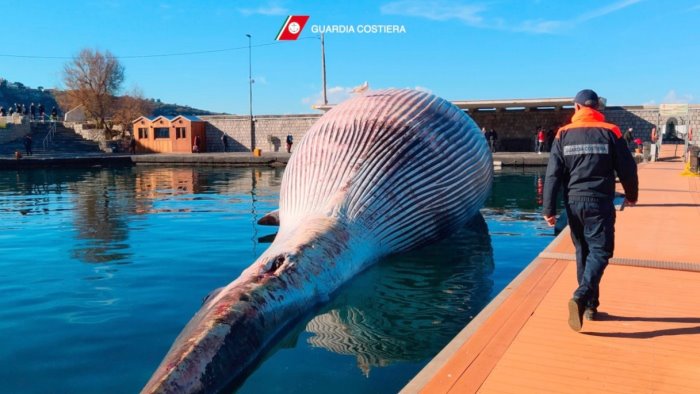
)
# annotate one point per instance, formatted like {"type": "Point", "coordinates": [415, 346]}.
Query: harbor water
{"type": "Point", "coordinates": [100, 270]}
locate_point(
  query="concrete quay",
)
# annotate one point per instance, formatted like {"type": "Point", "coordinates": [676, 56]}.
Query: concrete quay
{"type": "Point", "coordinates": [235, 159]}
{"type": "Point", "coordinates": [115, 160]}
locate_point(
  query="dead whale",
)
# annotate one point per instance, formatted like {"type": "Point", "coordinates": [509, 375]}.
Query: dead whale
{"type": "Point", "coordinates": [381, 173]}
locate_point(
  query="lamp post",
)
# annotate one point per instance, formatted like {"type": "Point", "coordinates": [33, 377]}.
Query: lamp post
{"type": "Point", "coordinates": [323, 71]}
{"type": "Point", "coordinates": [250, 97]}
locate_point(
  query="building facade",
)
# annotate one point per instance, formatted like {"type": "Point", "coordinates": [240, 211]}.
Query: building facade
{"type": "Point", "coordinates": [516, 122]}
{"type": "Point", "coordinates": [181, 134]}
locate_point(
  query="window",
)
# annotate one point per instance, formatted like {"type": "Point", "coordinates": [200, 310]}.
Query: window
{"type": "Point", "coordinates": [180, 132]}
{"type": "Point", "coordinates": [161, 132]}
{"type": "Point", "coordinates": [143, 133]}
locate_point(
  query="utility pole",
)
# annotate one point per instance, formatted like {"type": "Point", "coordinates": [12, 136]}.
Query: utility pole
{"type": "Point", "coordinates": [323, 70]}
{"type": "Point", "coordinates": [250, 97]}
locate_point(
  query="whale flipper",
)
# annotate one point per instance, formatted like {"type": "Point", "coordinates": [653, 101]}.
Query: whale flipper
{"type": "Point", "coordinates": [270, 219]}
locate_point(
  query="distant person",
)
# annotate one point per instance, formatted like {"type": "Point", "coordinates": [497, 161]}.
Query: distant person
{"type": "Point", "coordinates": [628, 137]}
{"type": "Point", "coordinates": [290, 141]}
{"type": "Point", "coordinates": [25, 111]}
{"type": "Point", "coordinates": [2, 111]}
{"type": "Point", "coordinates": [484, 132]}
{"type": "Point", "coordinates": [540, 140]}
{"type": "Point", "coordinates": [41, 112]}
{"type": "Point", "coordinates": [195, 147]}
{"type": "Point", "coordinates": [550, 139]}
{"type": "Point", "coordinates": [224, 142]}
{"type": "Point", "coordinates": [54, 114]}
{"type": "Point", "coordinates": [585, 157]}
{"type": "Point", "coordinates": [493, 138]}
{"type": "Point", "coordinates": [32, 111]}
{"type": "Point", "coordinates": [132, 145]}
{"type": "Point", "coordinates": [28, 144]}
{"type": "Point", "coordinates": [12, 110]}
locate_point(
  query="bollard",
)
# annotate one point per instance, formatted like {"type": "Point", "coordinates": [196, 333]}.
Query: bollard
{"type": "Point", "coordinates": [694, 152]}
{"type": "Point", "coordinates": [646, 151]}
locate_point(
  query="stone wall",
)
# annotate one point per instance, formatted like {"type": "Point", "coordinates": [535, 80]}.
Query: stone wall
{"type": "Point", "coordinates": [96, 135]}
{"type": "Point", "coordinates": [516, 128]}
{"type": "Point", "coordinates": [270, 131]}
{"type": "Point", "coordinates": [92, 134]}
{"type": "Point", "coordinates": [13, 128]}
{"type": "Point", "coordinates": [642, 119]}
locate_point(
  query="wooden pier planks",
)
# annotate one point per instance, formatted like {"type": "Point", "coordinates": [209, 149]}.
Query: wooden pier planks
{"type": "Point", "coordinates": [648, 339]}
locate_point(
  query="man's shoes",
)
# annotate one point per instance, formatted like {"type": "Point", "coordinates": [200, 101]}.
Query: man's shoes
{"type": "Point", "coordinates": [575, 314]}
{"type": "Point", "coordinates": [590, 313]}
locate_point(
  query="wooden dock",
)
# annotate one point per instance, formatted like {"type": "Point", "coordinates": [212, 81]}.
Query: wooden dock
{"type": "Point", "coordinates": [647, 338]}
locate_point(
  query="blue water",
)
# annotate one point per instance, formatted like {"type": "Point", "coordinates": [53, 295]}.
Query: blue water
{"type": "Point", "coordinates": [100, 269]}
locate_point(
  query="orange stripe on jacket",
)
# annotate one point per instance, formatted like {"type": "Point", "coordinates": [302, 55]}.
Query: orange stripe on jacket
{"type": "Point", "coordinates": [589, 118]}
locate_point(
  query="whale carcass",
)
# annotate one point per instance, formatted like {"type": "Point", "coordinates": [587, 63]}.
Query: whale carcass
{"type": "Point", "coordinates": [381, 173]}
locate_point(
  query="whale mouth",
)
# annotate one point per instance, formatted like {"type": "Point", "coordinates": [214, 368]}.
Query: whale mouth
{"type": "Point", "coordinates": [238, 324]}
{"type": "Point", "coordinates": [225, 339]}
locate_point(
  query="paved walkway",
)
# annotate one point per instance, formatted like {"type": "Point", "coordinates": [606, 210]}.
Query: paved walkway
{"type": "Point", "coordinates": [648, 337]}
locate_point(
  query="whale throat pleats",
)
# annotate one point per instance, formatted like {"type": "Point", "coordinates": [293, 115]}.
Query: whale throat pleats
{"type": "Point", "coordinates": [403, 165]}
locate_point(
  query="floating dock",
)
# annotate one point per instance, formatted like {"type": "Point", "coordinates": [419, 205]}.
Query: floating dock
{"type": "Point", "coordinates": [647, 337]}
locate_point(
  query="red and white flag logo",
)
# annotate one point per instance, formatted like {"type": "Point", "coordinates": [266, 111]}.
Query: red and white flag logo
{"type": "Point", "coordinates": [292, 27]}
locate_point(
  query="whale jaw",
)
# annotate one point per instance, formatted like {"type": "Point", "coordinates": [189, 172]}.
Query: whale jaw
{"type": "Point", "coordinates": [233, 328]}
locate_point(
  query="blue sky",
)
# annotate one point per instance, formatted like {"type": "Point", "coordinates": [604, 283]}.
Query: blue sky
{"type": "Point", "coordinates": [630, 51]}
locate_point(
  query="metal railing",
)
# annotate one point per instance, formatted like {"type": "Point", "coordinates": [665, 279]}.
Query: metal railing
{"type": "Point", "coordinates": [48, 140]}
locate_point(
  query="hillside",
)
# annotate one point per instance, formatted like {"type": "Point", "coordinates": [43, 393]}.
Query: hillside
{"type": "Point", "coordinates": [176, 109]}
{"type": "Point", "coordinates": [16, 92]}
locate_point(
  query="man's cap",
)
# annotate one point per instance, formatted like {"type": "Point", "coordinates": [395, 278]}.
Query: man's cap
{"type": "Point", "coordinates": [587, 98]}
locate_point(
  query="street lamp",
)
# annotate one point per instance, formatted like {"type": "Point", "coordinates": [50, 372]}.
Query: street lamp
{"type": "Point", "coordinates": [250, 84]}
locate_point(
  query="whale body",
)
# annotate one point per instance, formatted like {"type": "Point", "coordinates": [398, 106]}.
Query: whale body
{"type": "Point", "coordinates": [381, 173]}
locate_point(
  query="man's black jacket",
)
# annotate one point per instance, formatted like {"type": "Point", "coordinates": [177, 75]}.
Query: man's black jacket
{"type": "Point", "coordinates": [584, 158]}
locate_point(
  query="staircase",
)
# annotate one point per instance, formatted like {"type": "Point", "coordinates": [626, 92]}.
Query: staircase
{"type": "Point", "coordinates": [64, 141]}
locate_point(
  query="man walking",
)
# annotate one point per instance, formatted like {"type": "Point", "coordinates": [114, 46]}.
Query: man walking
{"type": "Point", "coordinates": [28, 144]}
{"type": "Point", "coordinates": [628, 137]}
{"type": "Point", "coordinates": [540, 140]}
{"type": "Point", "coordinates": [493, 137]}
{"type": "Point", "coordinates": [585, 156]}
{"type": "Point", "coordinates": [224, 141]}
{"type": "Point", "coordinates": [290, 141]}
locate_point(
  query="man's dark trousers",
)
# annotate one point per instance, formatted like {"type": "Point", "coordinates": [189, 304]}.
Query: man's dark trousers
{"type": "Point", "coordinates": [592, 225]}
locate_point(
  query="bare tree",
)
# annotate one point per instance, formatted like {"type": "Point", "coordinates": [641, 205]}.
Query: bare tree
{"type": "Point", "coordinates": [65, 101]}
{"type": "Point", "coordinates": [130, 107]}
{"type": "Point", "coordinates": [93, 79]}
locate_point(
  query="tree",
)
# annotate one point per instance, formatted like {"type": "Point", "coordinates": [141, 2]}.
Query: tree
{"type": "Point", "coordinates": [92, 80]}
{"type": "Point", "coordinates": [130, 107]}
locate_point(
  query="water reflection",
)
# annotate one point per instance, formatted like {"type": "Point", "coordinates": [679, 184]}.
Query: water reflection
{"type": "Point", "coordinates": [103, 202]}
{"type": "Point", "coordinates": [519, 189]}
{"type": "Point", "coordinates": [408, 307]}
